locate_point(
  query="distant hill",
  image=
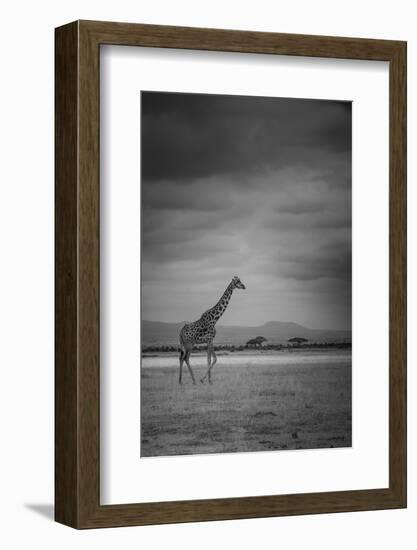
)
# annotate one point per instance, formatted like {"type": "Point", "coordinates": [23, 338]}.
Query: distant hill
{"type": "Point", "coordinates": [276, 332]}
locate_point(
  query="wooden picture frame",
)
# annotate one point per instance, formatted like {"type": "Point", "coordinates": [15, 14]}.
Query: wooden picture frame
{"type": "Point", "coordinates": [77, 372]}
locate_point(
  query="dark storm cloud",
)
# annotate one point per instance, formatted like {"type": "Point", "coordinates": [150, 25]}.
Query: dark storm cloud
{"type": "Point", "coordinates": [256, 187]}
{"type": "Point", "coordinates": [160, 196]}
{"type": "Point", "coordinates": [330, 261]}
{"type": "Point", "coordinates": [189, 136]}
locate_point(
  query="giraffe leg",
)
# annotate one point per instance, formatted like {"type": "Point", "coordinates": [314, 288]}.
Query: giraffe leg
{"type": "Point", "coordinates": [213, 362]}
{"type": "Point", "coordinates": [182, 354]}
{"type": "Point", "coordinates": [187, 360]}
{"type": "Point", "coordinates": [210, 355]}
{"type": "Point", "coordinates": [208, 364]}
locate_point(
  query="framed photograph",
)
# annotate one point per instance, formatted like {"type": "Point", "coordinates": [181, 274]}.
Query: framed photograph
{"type": "Point", "coordinates": [230, 274]}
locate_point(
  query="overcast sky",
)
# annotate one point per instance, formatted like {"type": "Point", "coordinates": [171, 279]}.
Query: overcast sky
{"type": "Point", "coordinates": [247, 186]}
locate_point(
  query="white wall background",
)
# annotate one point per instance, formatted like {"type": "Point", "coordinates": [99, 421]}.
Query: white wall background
{"type": "Point", "coordinates": [26, 276]}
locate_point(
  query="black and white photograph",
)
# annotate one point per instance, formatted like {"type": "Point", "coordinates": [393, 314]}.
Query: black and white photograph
{"type": "Point", "coordinates": [208, 273]}
{"type": "Point", "coordinates": [246, 287]}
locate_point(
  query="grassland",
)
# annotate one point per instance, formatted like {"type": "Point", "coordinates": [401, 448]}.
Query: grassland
{"type": "Point", "coordinates": [256, 403]}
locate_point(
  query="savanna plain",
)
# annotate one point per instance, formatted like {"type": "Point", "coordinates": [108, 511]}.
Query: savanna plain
{"type": "Point", "coordinates": [258, 401]}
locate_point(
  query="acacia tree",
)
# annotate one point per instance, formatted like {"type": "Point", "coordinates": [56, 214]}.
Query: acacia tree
{"type": "Point", "coordinates": [255, 342]}
{"type": "Point", "coordinates": [297, 340]}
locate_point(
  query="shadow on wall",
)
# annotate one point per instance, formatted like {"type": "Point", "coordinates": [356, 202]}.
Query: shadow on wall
{"type": "Point", "coordinates": [45, 510]}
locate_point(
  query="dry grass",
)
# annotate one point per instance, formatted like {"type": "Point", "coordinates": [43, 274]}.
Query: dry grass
{"type": "Point", "coordinates": [248, 408]}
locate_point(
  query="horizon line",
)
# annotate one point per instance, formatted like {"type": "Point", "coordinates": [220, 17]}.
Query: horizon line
{"type": "Point", "coordinates": [254, 326]}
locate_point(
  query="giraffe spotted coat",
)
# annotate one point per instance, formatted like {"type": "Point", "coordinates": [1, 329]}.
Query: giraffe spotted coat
{"type": "Point", "coordinates": [203, 331]}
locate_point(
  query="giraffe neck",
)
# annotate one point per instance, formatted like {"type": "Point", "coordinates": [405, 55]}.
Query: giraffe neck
{"type": "Point", "coordinates": [222, 304]}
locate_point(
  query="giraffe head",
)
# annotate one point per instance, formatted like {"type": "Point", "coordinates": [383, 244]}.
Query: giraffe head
{"type": "Point", "coordinates": [237, 283]}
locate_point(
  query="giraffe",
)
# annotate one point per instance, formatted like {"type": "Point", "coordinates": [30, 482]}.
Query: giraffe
{"type": "Point", "coordinates": [203, 331]}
